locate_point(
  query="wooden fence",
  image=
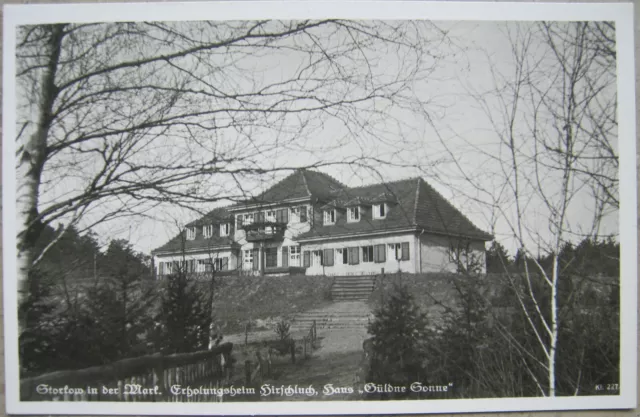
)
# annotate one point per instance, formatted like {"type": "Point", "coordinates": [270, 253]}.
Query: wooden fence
{"type": "Point", "coordinates": [148, 378]}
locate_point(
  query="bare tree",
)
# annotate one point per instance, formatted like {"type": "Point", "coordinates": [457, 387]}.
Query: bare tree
{"type": "Point", "coordinates": [554, 115]}
{"type": "Point", "coordinates": [116, 118]}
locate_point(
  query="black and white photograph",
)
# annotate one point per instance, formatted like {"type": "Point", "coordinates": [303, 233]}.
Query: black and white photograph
{"type": "Point", "coordinates": [294, 207]}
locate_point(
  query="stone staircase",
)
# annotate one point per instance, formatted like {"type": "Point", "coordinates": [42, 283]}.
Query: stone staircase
{"type": "Point", "coordinates": [347, 315]}
{"type": "Point", "coordinates": [352, 288]}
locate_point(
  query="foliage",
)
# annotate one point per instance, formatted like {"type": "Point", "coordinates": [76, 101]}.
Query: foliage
{"type": "Point", "coordinates": [183, 322]}
{"type": "Point", "coordinates": [282, 329]}
{"type": "Point", "coordinates": [399, 331]}
{"type": "Point", "coordinates": [86, 307]}
{"type": "Point", "coordinates": [483, 342]}
{"type": "Point", "coordinates": [38, 340]}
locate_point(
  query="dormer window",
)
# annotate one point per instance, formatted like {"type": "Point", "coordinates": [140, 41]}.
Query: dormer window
{"type": "Point", "coordinates": [191, 233]}
{"type": "Point", "coordinates": [207, 231]}
{"type": "Point", "coordinates": [225, 229]}
{"type": "Point", "coordinates": [379, 211]}
{"type": "Point", "coordinates": [329, 216]}
{"type": "Point", "coordinates": [353, 214]}
{"type": "Point", "coordinates": [247, 219]}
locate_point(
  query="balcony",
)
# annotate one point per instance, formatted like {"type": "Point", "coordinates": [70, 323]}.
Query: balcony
{"type": "Point", "coordinates": [263, 231]}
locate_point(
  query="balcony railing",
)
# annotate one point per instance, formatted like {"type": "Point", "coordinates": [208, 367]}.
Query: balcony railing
{"type": "Point", "coordinates": [258, 231]}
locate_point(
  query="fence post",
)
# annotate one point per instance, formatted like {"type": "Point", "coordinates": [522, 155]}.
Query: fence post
{"type": "Point", "coordinates": [158, 376]}
{"type": "Point", "coordinates": [269, 363]}
{"type": "Point", "coordinates": [304, 347]}
{"type": "Point", "coordinates": [261, 365]}
{"type": "Point", "coordinates": [247, 372]}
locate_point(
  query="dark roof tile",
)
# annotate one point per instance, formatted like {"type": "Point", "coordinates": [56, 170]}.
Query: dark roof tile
{"type": "Point", "coordinates": [412, 204]}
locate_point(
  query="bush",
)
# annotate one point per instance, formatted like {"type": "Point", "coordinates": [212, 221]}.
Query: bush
{"type": "Point", "coordinates": [282, 329]}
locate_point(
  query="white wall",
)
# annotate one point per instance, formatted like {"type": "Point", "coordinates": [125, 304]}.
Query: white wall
{"type": "Point", "coordinates": [364, 268]}
{"type": "Point", "coordinates": [435, 252]}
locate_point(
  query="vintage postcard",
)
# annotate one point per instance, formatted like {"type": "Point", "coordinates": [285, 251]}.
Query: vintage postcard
{"type": "Point", "coordinates": [240, 208]}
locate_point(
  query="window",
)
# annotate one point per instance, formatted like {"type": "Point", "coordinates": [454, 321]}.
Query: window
{"type": "Point", "coordinates": [329, 216]}
{"type": "Point", "coordinates": [166, 268]}
{"type": "Point", "coordinates": [294, 255]}
{"type": "Point", "coordinates": [204, 265]}
{"type": "Point", "coordinates": [399, 251]}
{"type": "Point", "coordinates": [353, 214]}
{"type": "Point", "coordinates": [225, 229]}
{"type": "Point", "coordinates": [395, 251]}
{"type": "Point", "coordinates": [295, 214]}
{"type": "Point", "coordinates": [317, 258]}
{"type": "Point", "coordinates": [191, 233]}
{"type": "Point", "coordinates": [207, 231]}
{"type": "Point", "coordinates": [248, 259]}
{"type": "Point", "coordinates": [247, 219]}
{"type": "Point", "coordinates": [342, 256]}
{"type": "Point", "coordinates": [303, 214]}
{"type": "Point", "coordinates": [379, 211]}
{"type": "Point", "coordinates": [271, 216]}
{"type": "Point", "coordinates": [367, 254]}
{"type": "Point", "coordinates": [271, 257]}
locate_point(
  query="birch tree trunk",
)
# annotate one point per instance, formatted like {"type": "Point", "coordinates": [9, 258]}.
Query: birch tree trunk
{"type": "Point", "coordinates": [31, 159]}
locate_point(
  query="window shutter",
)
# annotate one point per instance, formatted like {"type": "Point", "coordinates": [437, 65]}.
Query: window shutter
{"type": "Point", "coordinates": [225, 263]}
{"type": "Point", "coordinates": [328, 257]}
{"type": "Point", "coordinates": [260, 217]}
{"type": "Point", "coordinates": [239, 220]}
{"type": "Point", "coordinates": [307, 259]}
{"type": "Point", "coordinates": [256, 259]}
{"type": "Point", "coordinates": [161, 268]}
{"type": "Point", "coordinates": [354, 259]}
{"type": "Point", "coordinates": [285, 256]}
{"type": "Point", "coordinates": [303, 214]}
{"type": "Point", "coordinates": [405, 251]}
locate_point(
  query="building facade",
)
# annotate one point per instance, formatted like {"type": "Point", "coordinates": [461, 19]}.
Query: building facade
{"type": "Point", "coordinates": [309, 223]}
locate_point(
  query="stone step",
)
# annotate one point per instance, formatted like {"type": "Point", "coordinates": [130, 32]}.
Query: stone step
{"type": "Point", "coordinates": [365, 287]}
{"type": "Point", "coordinates": [364, 294]}
{"type": "Point", "coordinates": [354, 280]}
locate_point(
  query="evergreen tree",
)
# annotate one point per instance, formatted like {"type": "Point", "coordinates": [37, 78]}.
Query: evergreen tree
{"type": "Point", "coordinates": [399, 333]}
{"type": "Point", "coordinates": [37, 341]}
{"type": "Point", "coordinates": [183, 318]}
{"type": "Point", "coordinates": [498, 260]}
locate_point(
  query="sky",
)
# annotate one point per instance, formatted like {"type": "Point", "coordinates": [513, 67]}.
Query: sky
{"type": "Point", "coordinates": [450, 141]}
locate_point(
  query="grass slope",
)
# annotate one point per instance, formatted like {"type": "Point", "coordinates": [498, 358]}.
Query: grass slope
{"type": "Point", "coordinates": [262, 301]}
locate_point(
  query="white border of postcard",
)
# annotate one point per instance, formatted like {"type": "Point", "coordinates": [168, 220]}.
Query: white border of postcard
{"type": "Point", "coordinates": [621, 13]}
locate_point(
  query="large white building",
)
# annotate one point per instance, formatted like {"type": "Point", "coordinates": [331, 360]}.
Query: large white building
{"type": "Point", "coordinates": [310, 223]}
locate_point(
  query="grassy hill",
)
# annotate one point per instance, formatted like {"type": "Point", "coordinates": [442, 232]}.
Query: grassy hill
{"type": "Point", "coordinates": [265, 300]}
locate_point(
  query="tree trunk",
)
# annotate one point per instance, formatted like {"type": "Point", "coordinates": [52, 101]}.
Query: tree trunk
{"type": "Point", "coordinates": [554, 328]}
{"type": "Point", "coordinates": [32, 156]}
